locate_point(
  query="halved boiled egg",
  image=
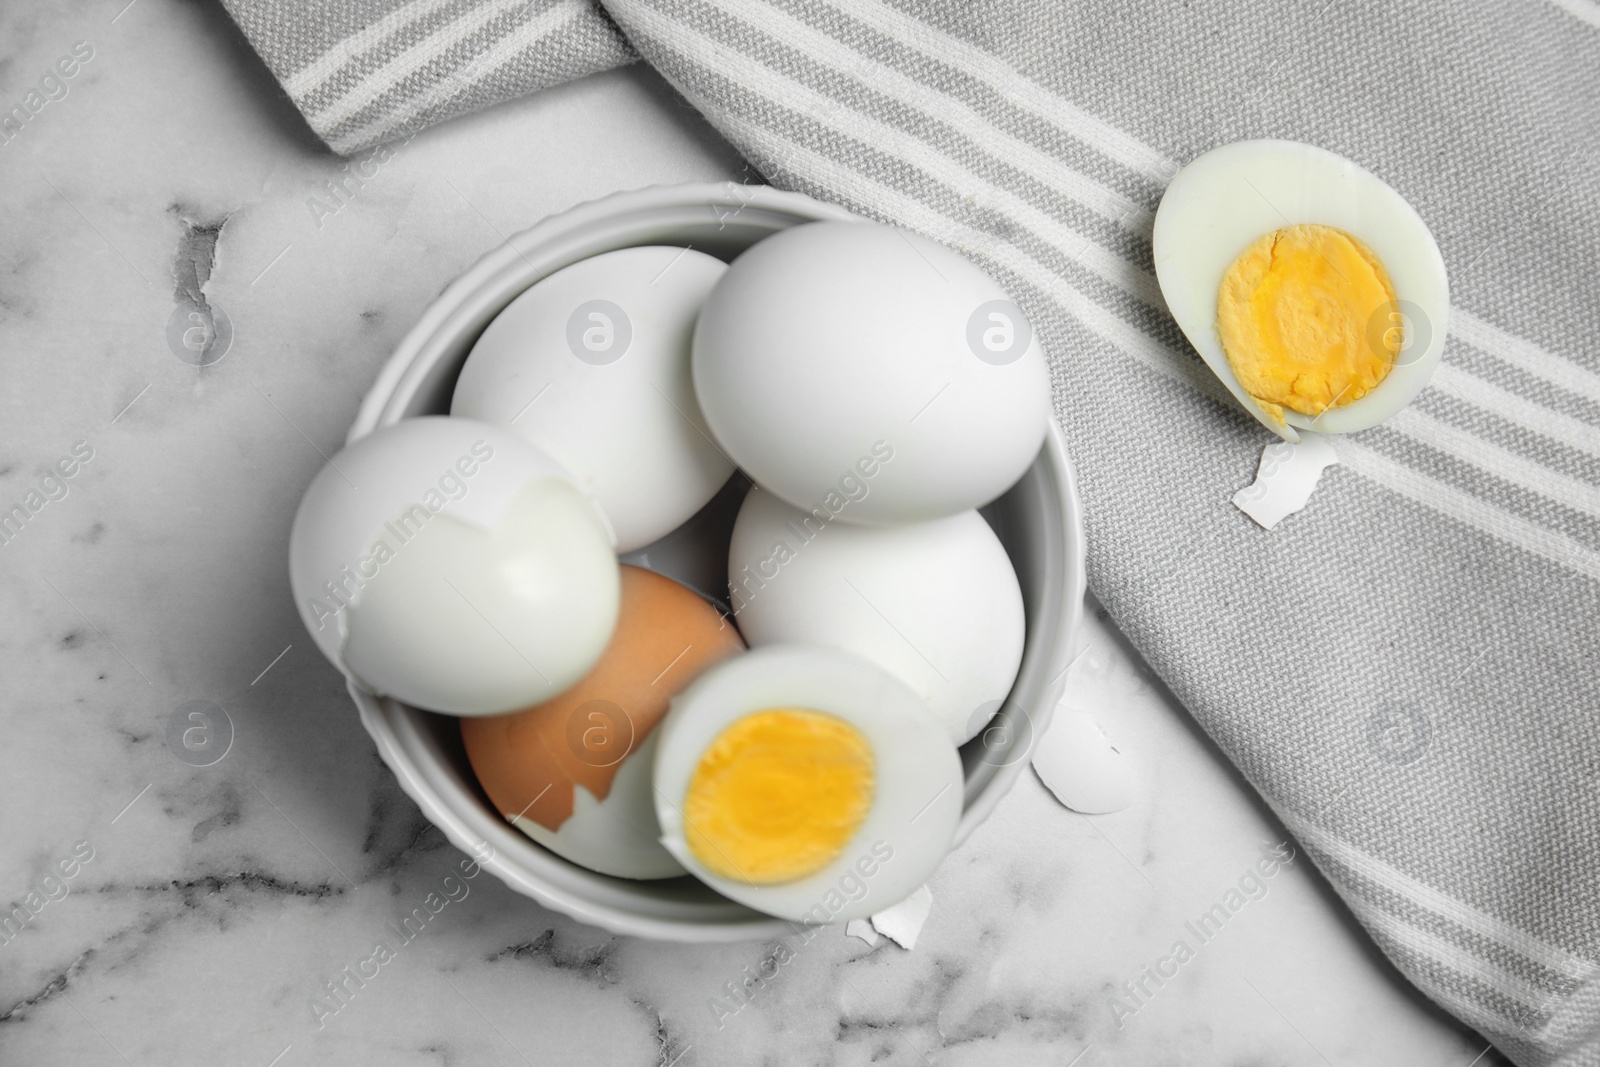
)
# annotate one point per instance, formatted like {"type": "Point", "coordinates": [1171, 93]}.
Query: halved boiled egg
{"type": "Point", "coordinates": [1309, 286]}
{"type": "Point", "coordinates": [806, 783]}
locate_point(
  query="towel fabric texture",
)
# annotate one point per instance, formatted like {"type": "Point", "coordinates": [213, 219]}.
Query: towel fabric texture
{"type": "Point", "coordinates": [1407, 669]}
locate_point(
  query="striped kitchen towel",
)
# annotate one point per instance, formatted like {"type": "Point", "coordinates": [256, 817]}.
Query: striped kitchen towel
{"type": "Point", "coordinates": [366, 72]}
{"type": "Point", "coordinates": [1409, 669]}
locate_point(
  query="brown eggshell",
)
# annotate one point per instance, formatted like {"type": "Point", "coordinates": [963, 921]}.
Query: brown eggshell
{"type": "Point", "coordinates": [531, 761]}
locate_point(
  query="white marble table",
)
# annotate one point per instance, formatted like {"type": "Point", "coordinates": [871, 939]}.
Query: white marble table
{"type": "Point", "coordinates": [218, 901]}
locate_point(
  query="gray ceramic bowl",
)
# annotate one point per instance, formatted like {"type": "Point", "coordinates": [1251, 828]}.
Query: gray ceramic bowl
{"type": "Point", "coordinates": [1038, 521]}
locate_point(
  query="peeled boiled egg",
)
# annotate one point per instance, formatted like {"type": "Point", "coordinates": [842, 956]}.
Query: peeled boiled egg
{"type": "Point", "coordinates": [871, 371]}
{"type": "Point", "coordinates": [574, 773]}
{"type": "Point", "coordinates": [936, 604]}
{"type": "Point", "coordinates": [1309, 286]}
{"type": "Point", "coordinates": [592, 365]}
{"type": "Point", "coordinates": [453, 566]}
{"type": "Point", "coordinates": [806, 783]}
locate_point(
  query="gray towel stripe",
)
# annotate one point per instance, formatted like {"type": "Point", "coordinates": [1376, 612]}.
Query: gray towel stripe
{"type": "Point", "coordinates": [1499, 998]}
{"type": "Point", "coordinates": [936, 46]}
{"type": "Point", "coordinates": [372, 71]}
{"type": "Point", "coordinates": [342, 70]}
{"type": "Point", "coordinates": [1538, 970]}
{"type": "Point", "coordinates": [439, 67]}
{"type": "Point", "coordinates": [1493, 428]}
{"type": "Point", "coordinates": [383, 34]}
{"type": "Point", "coordinates": [561, 45]}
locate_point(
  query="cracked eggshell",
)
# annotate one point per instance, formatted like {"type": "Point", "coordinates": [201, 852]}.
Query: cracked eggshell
{"type": "Point", "coordinates": [902, 923]}
{"type": "Point", "coordinates": [453, 566]}
{"type": "Point", "coordinates": [840, 353]}
{"type": "Point", "coordinates": [863, 929]}
{"type": "Point", "coordinates": [574, 773]}
{"type": "Point", "coordinates": [937, 604]}
{"type": "Point", "coordinates": [592, 365]}
{"type": "Point", "coordinates": [619, 835]}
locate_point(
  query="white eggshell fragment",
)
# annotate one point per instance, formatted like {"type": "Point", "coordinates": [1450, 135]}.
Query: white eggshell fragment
{"type": "Point", "coordinates": [1077, 762]}
{"type": "Point", "coordinates": [902, 923]}
{"type": "Point", "coordinates": [917, 793]}
{"type": "Point", "coordinates": [618, 835]}
{"type": "Point", "coordinates": [861, 928]}
{"type": "Point", "coordinates": [453, 566]}
{"type": "Point", "coordinates": [1227, 198]}
{"type": "Point", "coordinates": [937, 604]}
{"type": "Point", "coordinates": [836, 348]}
{"type": "Point", "coordinates": [592, 365]}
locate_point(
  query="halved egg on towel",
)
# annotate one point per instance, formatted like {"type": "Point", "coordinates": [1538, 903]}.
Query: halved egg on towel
{"type": "Point", "coordinates": [806, 783]}
{"type": "Point", "coordinates": [1310, 287]}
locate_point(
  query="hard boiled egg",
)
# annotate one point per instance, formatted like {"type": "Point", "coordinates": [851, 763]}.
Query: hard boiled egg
{"type": "Point", "coordinates": [872, 372]}
{"type": "Point", "coordinates": [453, 566]}
{"type": "Point", "coordinates": [574, 773]}
{"type": "Point", "coordinates": [936, 604]}
{"type": "Point", "coordinates": [1309, 286]}
{"type": "Point", "coordinates": [806, 783]}
{"type": "Point", "coordinates": [592, 365]}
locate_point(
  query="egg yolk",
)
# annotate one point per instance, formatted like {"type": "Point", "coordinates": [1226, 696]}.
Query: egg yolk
{"type": "Point", "coordinates": [778, 795]}
{"type": "Point", "coordinates": [1306, 316]}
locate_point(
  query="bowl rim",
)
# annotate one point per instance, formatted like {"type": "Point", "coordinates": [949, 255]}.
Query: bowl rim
{"type": "Point", "coordinates": [493, 843]}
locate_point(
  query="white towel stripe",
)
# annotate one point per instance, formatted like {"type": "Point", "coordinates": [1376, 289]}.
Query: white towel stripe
{"type": "Point", "coordinates": [1458, 959]}
{"type": "Point", "coordinates": [309, 78]}
{"type": "Point", "coordinates": [526, 37]}
{"type": "Point", "coordinates": [820, 47]}
{"type": "Point", "coordinates": [1517, 409]}
{"type": "Point", "coordinates": [1468, 509]}
{"type": "Point", "coordinates": [1486, 926]}
{"type": "Point", "coordinates": [1491, 1024]}
{"type": "Point", "coordinates": [1489, 457]}
{"type": "Point", "coordinates": [1000, 76]}
{"type": "Point", "coordinates": [843, 119]}
{"type": "Point", "coordinates": [401, 66]}
{"type": "Point", "coordinates": [1514, 351]}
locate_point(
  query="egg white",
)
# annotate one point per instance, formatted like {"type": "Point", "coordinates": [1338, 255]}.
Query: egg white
{"type": "Point", "coordinates": [496, 587]}
{"type": "Point", "coordinates": [838, 355]}
{"type": "Point", "coordinates": [630, 430]}
{"type": "Point", "coordinates": [917, 796]}
{"type": "Point", "coordinates": [1227, 198]}
{"type": "Point", "coordinates": [937, 604]}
